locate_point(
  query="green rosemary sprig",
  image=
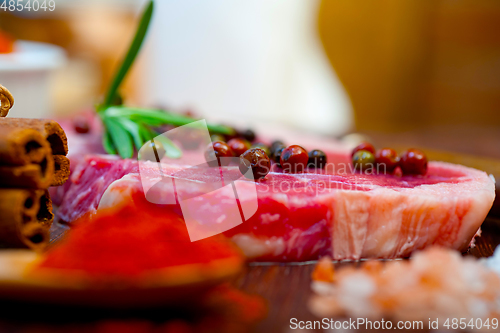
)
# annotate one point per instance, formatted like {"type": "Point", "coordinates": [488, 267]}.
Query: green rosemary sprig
{"type": "Point", "coordinates": [132, 53]}
{"type": "Point", "coordinates": [127, 128]}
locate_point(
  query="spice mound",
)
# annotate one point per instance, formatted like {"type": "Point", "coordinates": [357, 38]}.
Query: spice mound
{"type": "Point", "coordinates": [135, 246]}
{"type": "Point", "coordinates": [435, 283]}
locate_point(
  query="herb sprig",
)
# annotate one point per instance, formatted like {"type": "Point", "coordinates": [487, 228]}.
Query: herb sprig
{"type": "Point", "coordinates": [127, 128]}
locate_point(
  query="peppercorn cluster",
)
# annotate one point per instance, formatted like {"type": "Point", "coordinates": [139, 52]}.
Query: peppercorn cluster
{"type": "Point", "coordinates": [258, 157]}
{"type": "Point", "coordinates": [387, 160]}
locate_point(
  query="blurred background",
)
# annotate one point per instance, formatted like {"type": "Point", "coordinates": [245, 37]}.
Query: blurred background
{"type": "Point", "coordinates": [417, 71]}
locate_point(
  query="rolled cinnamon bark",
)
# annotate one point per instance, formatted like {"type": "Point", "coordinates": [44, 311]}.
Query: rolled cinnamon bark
{"type": "Point", "coordinates": [6, 101]}
{"type": "Point", "coordinates": [50, 129]}
{"type": "Point", "coordinates": [36, 237]}
{"type": "Point", "coordinates": [45, 217]}
{"type": "Point", "coordinates": [54, 135]}
{"type": "Point", "coordinates": [25, 219]}
{"type": "Point", "coordinates": [21, 146]}
{"type": "Point", "coordinates": [61, 170]}
{"type": "Point", "coordinates": [25, 158]}
{"type": "Point", "coordinates": [35, 176]}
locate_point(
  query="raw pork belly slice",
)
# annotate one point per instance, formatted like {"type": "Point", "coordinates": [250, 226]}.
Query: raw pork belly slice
{"type": "Point", "coordinates": [312, 214]}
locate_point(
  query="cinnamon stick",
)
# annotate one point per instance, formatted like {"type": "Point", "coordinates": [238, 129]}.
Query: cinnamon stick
{"type": "Point", "coordinates": [61, 171]}
{"type": "Point", "coordinates": [56, 138]}
{"type": "Point", "coordinates": [36, 176]}
{"type": "Point", "coordinates": [25, 159]}
{"type": "Point", "coordinates": [45, 217]}
{"type": "Point", "coordinates": [35, 237]}
{"type": "Point", "coordinates": [21, 146]}
{"type": "Point", "coordinates": [50, 129]}
{"type": "Point", "coordinates": [25, 219]}
{"type": "Point", "coordinates": [6, 101]}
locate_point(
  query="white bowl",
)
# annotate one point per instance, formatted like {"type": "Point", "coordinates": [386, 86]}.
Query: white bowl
{"type": "Point", "coordinates": [26, 73]}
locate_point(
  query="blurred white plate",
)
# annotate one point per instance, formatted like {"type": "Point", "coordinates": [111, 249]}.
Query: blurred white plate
{"type": "Point", "coordinates": [26, 73]}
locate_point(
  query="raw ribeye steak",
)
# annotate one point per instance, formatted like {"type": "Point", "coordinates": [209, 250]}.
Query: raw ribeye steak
{"type": "Point", "coordinates": [307, 215]}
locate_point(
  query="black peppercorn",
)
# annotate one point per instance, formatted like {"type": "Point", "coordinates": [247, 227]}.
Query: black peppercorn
{"type": "Point", "coordinates": [275, 147]}
{"type": "Point", "coordinates": [317, 159]}
{"type": "Point", "coordinates": [277, 155]}
{"type": "Point", "coordinates": [248, 135]}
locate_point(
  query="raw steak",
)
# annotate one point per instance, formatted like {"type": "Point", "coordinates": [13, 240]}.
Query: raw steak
{"type": "Point", "coordinates": [304, 216]}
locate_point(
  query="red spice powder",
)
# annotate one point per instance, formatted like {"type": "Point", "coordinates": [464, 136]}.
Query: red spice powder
{"type": "Point", "coordinates": [130, 240]}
